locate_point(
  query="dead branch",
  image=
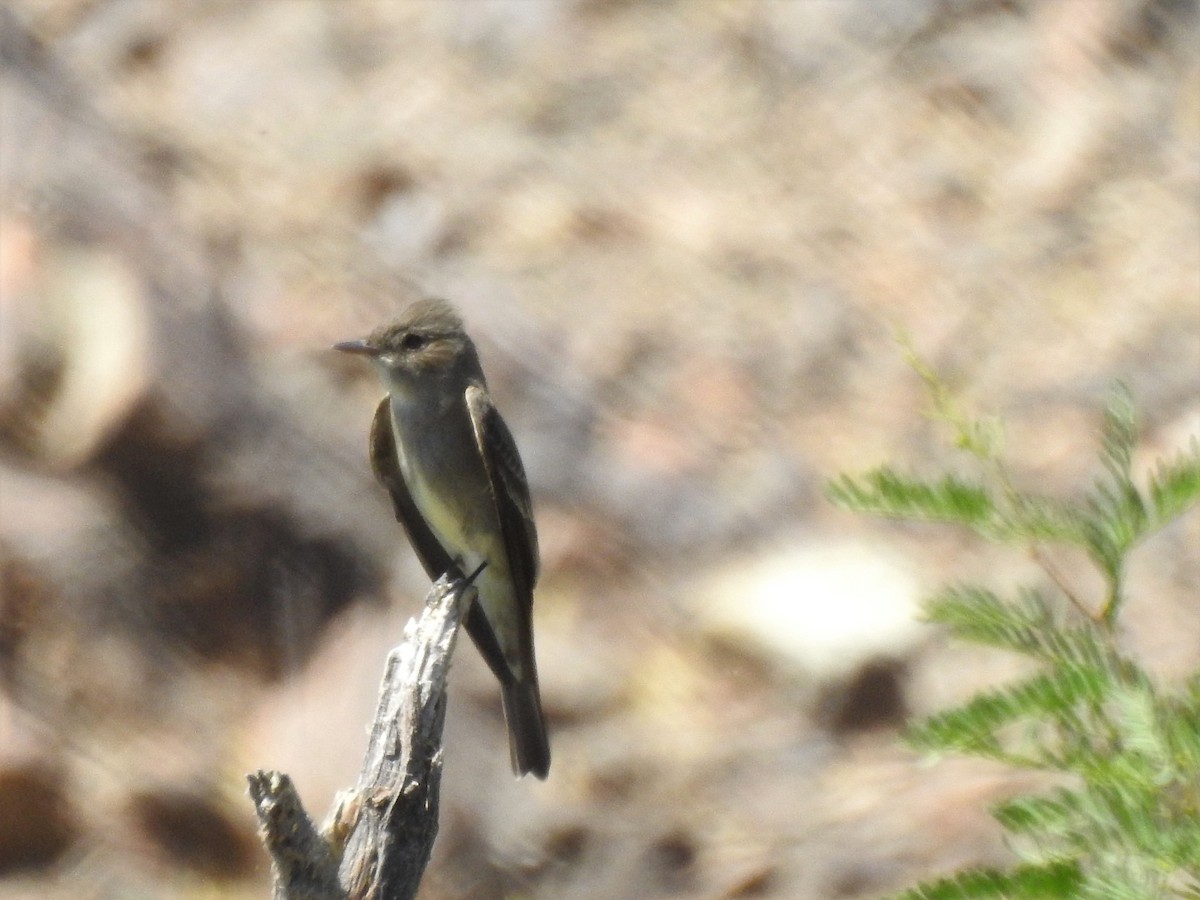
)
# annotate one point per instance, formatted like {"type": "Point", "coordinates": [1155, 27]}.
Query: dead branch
{"type": "Point", "coordinates": [377, 839]}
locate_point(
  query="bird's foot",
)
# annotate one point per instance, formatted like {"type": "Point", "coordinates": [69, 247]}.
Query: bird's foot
{"type": "Point", "coordinates": [471, 578]}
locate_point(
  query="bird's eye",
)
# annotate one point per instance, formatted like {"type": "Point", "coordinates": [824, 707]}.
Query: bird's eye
{"type": "Point", "coordinates": [412, 341]}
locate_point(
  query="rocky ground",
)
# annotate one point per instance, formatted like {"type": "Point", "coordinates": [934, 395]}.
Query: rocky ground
{"type": "Point", "coordinates": [685, 236]}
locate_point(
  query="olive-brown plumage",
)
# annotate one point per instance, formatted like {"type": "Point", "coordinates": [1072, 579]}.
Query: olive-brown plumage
{"type": "Point", "coordinates": [456, 481]}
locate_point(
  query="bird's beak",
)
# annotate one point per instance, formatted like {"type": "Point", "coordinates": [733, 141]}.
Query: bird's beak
{"type": "Point", "coordinates": [360, 347]}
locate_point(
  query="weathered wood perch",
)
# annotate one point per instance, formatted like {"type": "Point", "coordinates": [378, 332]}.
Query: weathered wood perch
{"type": "Point", "coordinates": [377, 839]}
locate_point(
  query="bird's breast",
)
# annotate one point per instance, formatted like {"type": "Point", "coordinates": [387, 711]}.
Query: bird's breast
{"type": "Point", "coordinates": [442, 467]}
{"type": "Point", "coordinates": [445, 474]}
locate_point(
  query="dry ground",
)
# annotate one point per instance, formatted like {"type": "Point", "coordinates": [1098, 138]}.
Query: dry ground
{"type": "Point", "coordinates": [685, 235]}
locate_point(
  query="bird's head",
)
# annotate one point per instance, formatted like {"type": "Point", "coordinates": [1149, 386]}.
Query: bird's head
{"type": "Point", "coordinates": [427, 342]}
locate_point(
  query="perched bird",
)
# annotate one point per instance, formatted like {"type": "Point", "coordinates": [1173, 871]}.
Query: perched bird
{"type": "Point", "coordinates": [450, 464]}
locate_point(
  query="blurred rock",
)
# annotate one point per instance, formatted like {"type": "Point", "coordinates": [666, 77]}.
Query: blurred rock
{"type": "Point", "coordinates": [873, 697]}
{"type": "Point", "coordinates": [133, 379]}
{"type": "Point", "coordinates": [818, 608]}
{"type": "Point", "coordinates": [406, 221]}
{"type": "Point", "coordinates": [192, 829]}
{"type": "Point", "coordinates": [38, 824]}
{"type": "Point", "coordinates": [76, 357]}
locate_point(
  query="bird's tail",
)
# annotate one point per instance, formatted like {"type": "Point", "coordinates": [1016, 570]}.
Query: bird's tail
{"type": "Point", "coordinates": [527, 742]}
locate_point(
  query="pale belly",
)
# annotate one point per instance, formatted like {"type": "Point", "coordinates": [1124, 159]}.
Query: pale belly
{"type": "Point", "coordinates": [465, 523]}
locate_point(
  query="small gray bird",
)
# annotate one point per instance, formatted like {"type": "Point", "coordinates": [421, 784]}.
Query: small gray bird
{"type": "Point", "coordinates": [450, 464]}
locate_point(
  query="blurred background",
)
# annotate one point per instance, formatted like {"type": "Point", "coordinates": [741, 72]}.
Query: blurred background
{"type": "Point", "coordinates": [685, 236]}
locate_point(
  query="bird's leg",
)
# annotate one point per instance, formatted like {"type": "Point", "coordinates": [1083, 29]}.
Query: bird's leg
{"type": "Point", "coordinates": [471, 578]}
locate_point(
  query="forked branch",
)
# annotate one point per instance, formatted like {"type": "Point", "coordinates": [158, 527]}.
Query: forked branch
{"type": "Point", "coordinates": [376, 841]}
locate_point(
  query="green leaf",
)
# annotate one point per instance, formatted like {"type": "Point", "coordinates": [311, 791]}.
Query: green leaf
{"type": "Point", "coordinates": [982, 437]}
{"type": "Point", "coordinates": [1030, 517]}
{"type": "Point", "coordinates": [1028, 626]}
{"type": "Point", "coordinates": [1120, 434]}
{"type": "Point", "coordinates": [1050, 815]}
{"type": "Point", "coordinates": [885, 492]}
{"type": "Point", "coordinates": [1175, 486]}
{"type": "Point", "coordinates": [1125, 822]}
{"type": "Point", "coordinates": [979, 615]}
{"type": "Point", "coordinates": [1047, 698]}
{"type": "Point", "coordinates": [1060, 878]}
{"type": "Point", "coordinates": [1118, 519]}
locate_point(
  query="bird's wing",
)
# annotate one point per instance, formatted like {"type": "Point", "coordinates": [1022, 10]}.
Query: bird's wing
{"type": "Point", "coordinates": [510, 490]}
{"type": "Point", "coordinates": [386, 465]}
{"type": "Point", "coordinates": [428, 548]}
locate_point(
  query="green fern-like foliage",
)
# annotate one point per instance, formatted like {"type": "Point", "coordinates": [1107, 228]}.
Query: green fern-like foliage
{"type": "Point", "coordinates": [1124, 821]}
